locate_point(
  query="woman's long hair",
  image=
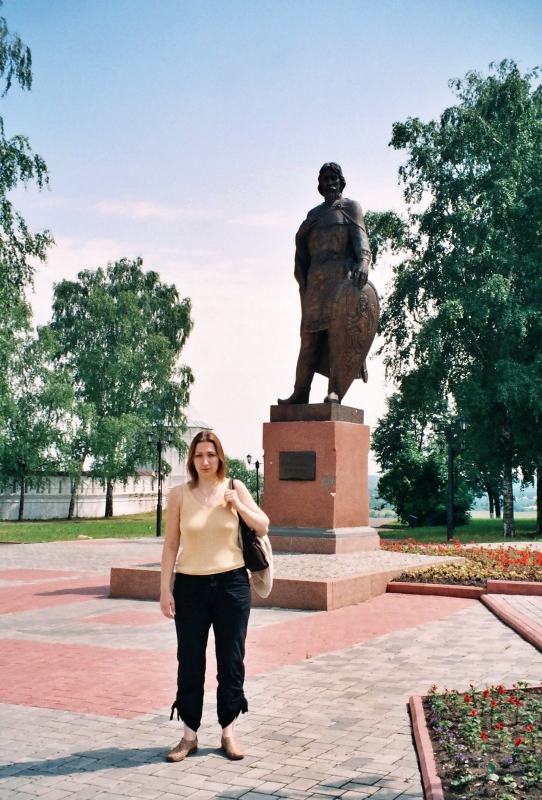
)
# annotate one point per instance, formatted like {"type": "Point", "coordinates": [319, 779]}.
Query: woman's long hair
{"type": "Point", "coordinates": [205, 436]}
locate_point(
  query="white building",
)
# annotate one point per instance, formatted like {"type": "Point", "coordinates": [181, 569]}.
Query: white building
{"type": "Point", "coordinates": [53, 500]}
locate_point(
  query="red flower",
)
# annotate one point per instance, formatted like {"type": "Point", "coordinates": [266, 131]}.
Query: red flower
{"type": "Point", "coordinates": [499, 726]}
{"type": "Point", "coordinates": [502, 690]}
{"type": "Point", "coordinates": [518, 741]}
{"type": "Point", "coordinates": [493, 703]}
{"type": "Point", "coordinates": [486, 693]}
{"type": "Point", "coordinates": [484, 736]}
{"type": "Point", "coordinates": [474, 713]}
{"type": "Point", "coordinates": [529, 728]}
{"type": "Point", "coordinates": [467, 699]}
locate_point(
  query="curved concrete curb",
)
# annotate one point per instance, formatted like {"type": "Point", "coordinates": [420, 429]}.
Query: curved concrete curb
{"type": "Point", "coordinates": [472, 592]}
{"type": "Point", "coordinates": [521, 623]}
{"type": "Point", "coordinates": [439, 589]}
{"type": "Point", "coordinates": [514, 587]}
{"type": "Point", "coordinates": [432, 785]}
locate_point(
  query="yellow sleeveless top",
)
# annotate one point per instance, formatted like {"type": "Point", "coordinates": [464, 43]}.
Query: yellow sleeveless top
{"type": "Point", "coordinates": [209, 537]}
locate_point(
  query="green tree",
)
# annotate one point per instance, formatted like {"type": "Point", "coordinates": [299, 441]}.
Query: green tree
{"type": "Point", "coordinates": [464, 315]}
{"type": "Point", "coordinates": [34, 424]}
{"type": "Point", "coordinates": [19, 251]}
{"type": "Point", "coordinates": [237, 468]}
{"type": "Point", "coordinates": [415, 474]}
{"type": "Point", "coordinates": [121, 332]}
{"type": "Point", "coordinates": [81, 428]}
{"type": "Point", "coordinates": [19, 248]}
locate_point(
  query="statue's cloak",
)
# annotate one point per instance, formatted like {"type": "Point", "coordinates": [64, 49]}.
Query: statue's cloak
{"type": "Point", "coordinates": [329, 243]}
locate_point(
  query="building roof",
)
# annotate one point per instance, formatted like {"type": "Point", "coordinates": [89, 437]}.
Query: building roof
{"type": "Point", "coordinates": [194, 418]}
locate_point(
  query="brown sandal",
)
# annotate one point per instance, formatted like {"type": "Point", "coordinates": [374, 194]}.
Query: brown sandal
{"type": "Point", "coordinates": [231, 748]}
{"type": "Point", "coordinates": [185, 748]}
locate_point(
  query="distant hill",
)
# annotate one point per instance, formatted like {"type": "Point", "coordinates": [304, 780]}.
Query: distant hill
{"type": "Point", "coordinates": [374, 501]}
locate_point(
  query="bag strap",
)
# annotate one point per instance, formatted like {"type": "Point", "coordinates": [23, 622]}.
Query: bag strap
{"type": "Point", "coordinates": [231, 483]}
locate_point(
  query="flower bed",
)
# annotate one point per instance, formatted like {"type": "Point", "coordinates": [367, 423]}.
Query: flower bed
{"type": "Point", "coordinates": [487, 743]}
{"type": "Point", "coordinates": [482, 563]}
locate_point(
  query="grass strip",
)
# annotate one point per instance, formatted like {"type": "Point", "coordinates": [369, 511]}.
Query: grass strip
{"type": "Point", "coordinates": [59, 530]}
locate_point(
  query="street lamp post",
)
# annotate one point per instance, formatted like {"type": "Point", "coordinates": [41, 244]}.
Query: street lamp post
{"type": "Point", "coordinates": [257, 465]}
{"type": "Point", "coordinates": [159, 446]}
{"type": "Point", "coordinates": [450, 432]}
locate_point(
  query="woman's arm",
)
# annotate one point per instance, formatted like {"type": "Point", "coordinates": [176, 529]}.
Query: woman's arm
{"type": "Point", "coordinates": [244, 504]}
{"type": "Point", "coordinates": [171, 548]}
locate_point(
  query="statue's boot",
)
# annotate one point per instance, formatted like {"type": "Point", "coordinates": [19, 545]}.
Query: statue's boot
{"type": "Point", "coordinates": [332, 397]}
{"type": "Point", "coordinates": [298, 396]}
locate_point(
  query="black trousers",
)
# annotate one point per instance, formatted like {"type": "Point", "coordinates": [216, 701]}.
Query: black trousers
{"type": "Point", "coordinates": [223, 601]}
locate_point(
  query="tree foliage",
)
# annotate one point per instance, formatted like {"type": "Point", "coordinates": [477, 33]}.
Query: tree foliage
{"type": "Point", "coordinates": [237, 468]}
{"type": "Point", "coordinates": [415, 472]}
{"type": "Point", "coordinates": [121, 331]}
{"type": "Point", "coordinates": [36, 413]}
{"type": "Point", "coordinates": [18, 164]}
{"type": "Point", "coordinates": [15, 58]}
{"type": "Point", "coordinates": [19, 250]}
{"type": "Point", "coordinates": [464, 315]}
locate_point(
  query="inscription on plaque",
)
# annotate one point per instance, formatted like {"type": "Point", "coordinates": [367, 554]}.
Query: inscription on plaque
{"type": "Point", "coordinates": [298, 465]}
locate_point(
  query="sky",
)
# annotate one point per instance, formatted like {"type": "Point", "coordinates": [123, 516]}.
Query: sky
{"type": "Point", "coordinates": [191, 134]}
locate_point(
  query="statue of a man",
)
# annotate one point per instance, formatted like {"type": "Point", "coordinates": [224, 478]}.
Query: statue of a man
{"type": "Point", "coordinates": [331, 246]}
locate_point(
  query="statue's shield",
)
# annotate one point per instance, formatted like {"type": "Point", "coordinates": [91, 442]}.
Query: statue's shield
{"type": "Point", "coordinates": [354, 320]}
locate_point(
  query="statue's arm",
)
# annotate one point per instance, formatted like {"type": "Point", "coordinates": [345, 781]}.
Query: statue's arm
{"type": "Point", "coordinates": [360, 244]}
{"type": "Point", "coordinates": [302, 257]}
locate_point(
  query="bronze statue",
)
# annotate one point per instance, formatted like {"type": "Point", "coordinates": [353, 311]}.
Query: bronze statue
{"type": "Point", "coordinates": [339, 307]}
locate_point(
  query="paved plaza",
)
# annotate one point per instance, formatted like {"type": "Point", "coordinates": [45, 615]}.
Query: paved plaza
{"type": "Point", "coordinates": [87, 681]}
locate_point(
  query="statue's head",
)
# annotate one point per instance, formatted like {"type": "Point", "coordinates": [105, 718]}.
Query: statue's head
{"type": "Point", "coordinates": [331, 181]}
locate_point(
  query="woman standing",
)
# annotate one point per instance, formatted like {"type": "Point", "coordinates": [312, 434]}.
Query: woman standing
{"type": "Point", "coordinates": [211, 587]}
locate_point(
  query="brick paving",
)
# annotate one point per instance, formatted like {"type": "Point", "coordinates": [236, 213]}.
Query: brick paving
{"type": "Point", "coordinates": [327, 691]}
{"type": "Point", "coordinates": [530, 606]}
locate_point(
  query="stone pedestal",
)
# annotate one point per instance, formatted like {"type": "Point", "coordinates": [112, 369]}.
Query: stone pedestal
{"type": "Point", "coordinates": [316, 479]}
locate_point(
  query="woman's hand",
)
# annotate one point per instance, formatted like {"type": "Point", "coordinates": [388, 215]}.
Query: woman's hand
{"type": "Point", "coordinates": [231, 496]}
{"type": "Point", "coordinates": [167, 604]}
{"type": "Point", "coordinates": [170, 550]}
{"type": "Point", "coordinates": [243, 502]}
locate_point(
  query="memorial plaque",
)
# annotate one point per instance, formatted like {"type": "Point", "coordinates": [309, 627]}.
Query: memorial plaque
{"type": "Point", "coordinates": [298, 465]}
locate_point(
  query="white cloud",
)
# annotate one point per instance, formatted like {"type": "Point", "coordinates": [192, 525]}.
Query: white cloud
{"type": "Point", "coordinates": [267, 220]}
{"type": "Point", "coordinates": [143, 209]}
{"type": "Point", "coordinates": [146, 210]}
{"type": "Point", "coordinates": [244, 345]}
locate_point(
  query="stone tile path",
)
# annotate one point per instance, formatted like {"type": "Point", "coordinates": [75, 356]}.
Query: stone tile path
{"type": "Point", "coordinates": [327, 692]}
{"type": "Point", "coordinates": [530, 606]}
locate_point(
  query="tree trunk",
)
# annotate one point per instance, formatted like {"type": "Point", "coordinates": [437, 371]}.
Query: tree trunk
{"type": "Point", "coordinates": [497, 506]}
{"type": "Point", "coordinates": [109, 499]}
{"type": "Point", "coordinates": [490, 501]}
{"type": "Point", "coordinates": [539, 499]}
{"type": "Point", "coordinates": [21, 501]}
{"type": "Point", "coordinates": [75, 486]}
{"type": "Point", "coordinates": [508, 504]}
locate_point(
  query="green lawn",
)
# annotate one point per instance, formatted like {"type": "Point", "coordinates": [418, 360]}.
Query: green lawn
{"type": "Point", "coordinates": [477, 530]}
{"type": "Point", "coordinates": [135, 525]}
{"type": "Point", "coordinates": [57, 530]}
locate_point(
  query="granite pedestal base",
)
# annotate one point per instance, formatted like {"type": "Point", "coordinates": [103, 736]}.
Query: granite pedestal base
{"type": "Point", "coordinates": [316, 479]}
{"type": "Point", "coordinates": [322, 592]}
{"type": "Point", "coordinates": [323, 540]}
{"type": "Point", "coordinates": [143, 583]}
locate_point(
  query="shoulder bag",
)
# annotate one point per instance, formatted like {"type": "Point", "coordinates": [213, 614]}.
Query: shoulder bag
{"type": "Point", "coordinates": [253, 552]}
